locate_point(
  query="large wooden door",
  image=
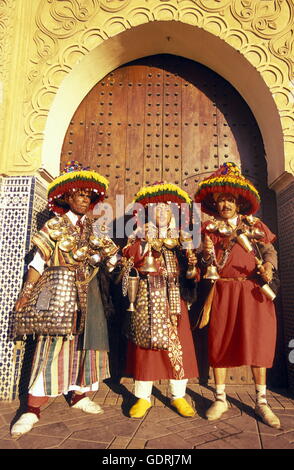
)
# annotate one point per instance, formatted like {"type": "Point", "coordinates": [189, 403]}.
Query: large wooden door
{"type": "Point", "coordinates": [167, 118]}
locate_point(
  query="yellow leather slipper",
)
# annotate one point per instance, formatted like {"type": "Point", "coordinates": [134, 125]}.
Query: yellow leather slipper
{"type": "Point", "coordinates": [139, 409]}
{"type": "Point", "coordinates": [183, 407]}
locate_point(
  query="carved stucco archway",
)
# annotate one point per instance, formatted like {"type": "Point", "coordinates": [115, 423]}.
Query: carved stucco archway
{"type": "Point", "coordinates": [165, 37]}
{"type": "Point", "coordinates": [248, 42]}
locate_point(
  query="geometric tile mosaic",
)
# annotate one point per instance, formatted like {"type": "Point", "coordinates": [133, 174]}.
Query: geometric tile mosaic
{"type": "Point", "coordinates": [22, 204]}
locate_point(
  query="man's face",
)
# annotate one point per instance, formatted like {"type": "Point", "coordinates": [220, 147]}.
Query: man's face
{"type": "Point", "coordinates": [163, 215]}
{"type": "Point", "coordinates": [227, 206]}
{"type": "Point", "coordinates": [79, 201]}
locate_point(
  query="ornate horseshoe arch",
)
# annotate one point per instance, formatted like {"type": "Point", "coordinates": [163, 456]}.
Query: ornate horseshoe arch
{"type": "Point", "coordinates": [77, 43]}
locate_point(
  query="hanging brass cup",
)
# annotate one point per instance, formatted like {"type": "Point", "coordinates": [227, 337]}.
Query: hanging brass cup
{"type": "Point", "coordinates": [245, 243]}
{"type": "Point", "coordinates": [54, 223]}
{"type": "Point", "coordinates": [268, 292]}
{"type": "Point", "coordinates": [95, 242]}
{"type": "Point", "coordinates": [133, 286]}
{"type": "Point", "coordinates": [56, 234]}
{"type": "Point", "coordinates": [67, 243]}
{"type": "Point", "coordinates": [81, 253]}
{"type": "Point", "coordinates": [95, 259]}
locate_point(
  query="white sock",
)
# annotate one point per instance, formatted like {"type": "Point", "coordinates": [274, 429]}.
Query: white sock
{"type": "Point", "coordinates": [260, 394]}
{"type": "Point", "coordinates": [178, 388]}
{"type": "Point", "coordinates": [143, 389]}
{"type": "Point", "coordinates": [220, 392]}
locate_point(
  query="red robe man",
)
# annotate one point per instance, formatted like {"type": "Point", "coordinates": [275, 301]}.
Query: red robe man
{"type": "Point", "coordinates": [242, 320]}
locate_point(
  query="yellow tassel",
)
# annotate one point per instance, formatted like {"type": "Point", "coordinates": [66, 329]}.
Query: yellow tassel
{"type": "Point", "coordinates": [207, 308]}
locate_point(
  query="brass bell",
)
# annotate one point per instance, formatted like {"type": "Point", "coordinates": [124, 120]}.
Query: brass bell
{"type": "Point", "coordinates": [149, 265]}
{"type": "Point", "coordinates": [211, 273]}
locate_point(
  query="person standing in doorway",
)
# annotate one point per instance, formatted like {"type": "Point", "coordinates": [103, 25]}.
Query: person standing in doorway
{"type": "Point", "coordinates": [241, 314]}
{"type": "Point", "coordinates": [65, 285]}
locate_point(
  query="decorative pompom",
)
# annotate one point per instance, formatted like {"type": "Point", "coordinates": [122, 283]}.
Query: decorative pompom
{"type": "Point", "coordinates": [72, 179]}
{"type": "Point", "coordinates": [228, 179]}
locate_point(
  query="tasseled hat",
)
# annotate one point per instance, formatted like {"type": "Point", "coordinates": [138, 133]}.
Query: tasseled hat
{"type": "Point", "coordinates": [162, 192]}
{"type": "Point", "coordinates": [73, 178]}
{"type": "Point", "coordinates": [227, 179]}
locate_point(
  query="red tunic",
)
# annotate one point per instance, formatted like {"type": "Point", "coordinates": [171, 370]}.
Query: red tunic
{"type": "Point", "coordinates": [242, 328]}
{"type": "Point", "coordinates": [148, 364]}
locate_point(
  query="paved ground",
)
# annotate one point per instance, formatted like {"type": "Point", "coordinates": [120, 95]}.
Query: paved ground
{"type": "Point", "coordinates": [63, 428]}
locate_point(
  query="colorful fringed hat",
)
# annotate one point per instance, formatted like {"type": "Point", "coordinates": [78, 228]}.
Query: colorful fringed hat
{"type": "Point", "coordinates": [228, 179]}
{"type": "Point", "coordinates": [162, 192]}
{"type": "Point", "coordinates": [75, 177]}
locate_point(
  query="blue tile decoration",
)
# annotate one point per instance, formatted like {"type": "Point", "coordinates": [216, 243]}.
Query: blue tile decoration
{"type": "Point", "coordinates": [22, 205]}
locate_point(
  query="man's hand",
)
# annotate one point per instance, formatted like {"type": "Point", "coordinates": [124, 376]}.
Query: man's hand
{"type": "Point", "coordinates": [20, 303]}
{"type": "Point", "coordinates": [32, 277]}
{"type": "Point", "coordinates": [192, 259]}
{"type": "Point", "coordinates": [266, 271]}
{"type": "Point", "coordinates": [207, 247]}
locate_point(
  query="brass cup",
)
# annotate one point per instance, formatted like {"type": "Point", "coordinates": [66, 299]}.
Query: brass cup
{"type": "Point", "coordinates": [244, 242]}
{"type": "Point", "coordinates": [257, 234]}
{"type": "Point", "coordinates": [225, 231]}
{"type": "Point", "coordinates": [211, 227]}
{"type": "Point", "coordinates": [133, 286]}
{"type": "Point", "coordinates": [95, 259]}
{"type": "Point", "coordinates": [268, 292]}
{"type": "Point", "coordinates": [67, 243]}
{"type": "Point", "coordinates": [95, 241]}
{"type": "Point", "coordinates": [80, 254]}
{"type": "Point", "coordinates": [56, 234]}
{"type": "Point", "coordinates": [54, 223]}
